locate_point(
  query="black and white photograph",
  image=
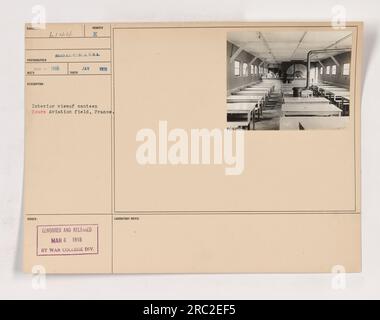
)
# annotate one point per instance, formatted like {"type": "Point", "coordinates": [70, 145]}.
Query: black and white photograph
{"type": "Point", "coordinates": [289, 80]}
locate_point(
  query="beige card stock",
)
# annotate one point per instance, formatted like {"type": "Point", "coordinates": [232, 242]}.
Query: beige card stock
{"type": "Point", "coordinates": [120, 177]}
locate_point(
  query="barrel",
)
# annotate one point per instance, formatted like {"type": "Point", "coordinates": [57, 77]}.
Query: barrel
{"type": "Point", "coordinates": [297, 91]}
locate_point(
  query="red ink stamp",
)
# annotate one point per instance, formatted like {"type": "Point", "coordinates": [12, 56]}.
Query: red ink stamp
{"type": "Point", "coordinates": [67, 240]}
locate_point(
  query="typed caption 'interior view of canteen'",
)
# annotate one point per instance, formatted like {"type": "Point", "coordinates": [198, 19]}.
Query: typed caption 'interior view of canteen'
{"type": "Point", "coordinates": [288, 80]}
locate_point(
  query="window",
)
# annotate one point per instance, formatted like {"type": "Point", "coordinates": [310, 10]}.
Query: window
{"type": "Point", "coordinates": [245, 69]}
{"type": "Point", "coordinates": [321, 71]}
{"type": "Point", "coordinates": [328, 70]}
{"type": "Point", "coordinates": [261, 70]}
{"type": "Point", "coordinates": [237, 68]}
{"type": "Point", "coordinates": [333, 70]}
{"type": "Point", "coordinates": [252, 72]}
{"type": "Point", "coordinates": [346, 69]}
{"type": "Point", "coordinates": [255, 69]}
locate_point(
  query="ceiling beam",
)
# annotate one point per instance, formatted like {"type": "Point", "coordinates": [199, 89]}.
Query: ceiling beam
{"type": "Point", "coordinates": [261, 36]}
{"type": "Point", "coordinates": [253, 60]}
{"type": "Point", "coordinates": [322, 65]}
{"type": "Point", "coordinates": [339, 41]}
{"type": "Point", "coordinates": [298, 45]}
{"type": "Point", "coordinates": [336, 61]}
{"type": "Point", "coordinates": [237, 52]}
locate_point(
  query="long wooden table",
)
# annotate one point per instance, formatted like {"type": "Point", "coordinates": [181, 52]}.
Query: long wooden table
{"type": "Point", "coordinates": [341, 93]}
{"type": "Point", "coordinates": [254, 99]}
{"type": "Point", "coordinates": [313, 109]}
{"type": "Point", "coordinates": [337, 95]}
{"type": "Point", "coordinates": [245, 98]}
{"type": "Point", "coordinates": [262, 85]}
{"type": "Point", "coordinates": [330, 89]}
{"type": "Point", "coordinates": [242, 108]}
{"type": "Point", "coordinates": [334, 91]}
{"type": "Point", "coordinates": [256, 89]}
{"type": "Point", "coordinates": [341, 99]}
{"type": "Point", "coordinates": [328, 86]}
{"type": "Point", "coordinates": [312, 123]}
{"type": "Point", "coordinates": [265, 87]}
{"type": "Point", "coordinates": [249, 93]}
{"type": "Point", "coordinates": [306, 100]}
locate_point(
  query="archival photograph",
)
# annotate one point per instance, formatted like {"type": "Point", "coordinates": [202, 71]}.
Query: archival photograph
{"type": "Point", "coordinates": [288, 80]}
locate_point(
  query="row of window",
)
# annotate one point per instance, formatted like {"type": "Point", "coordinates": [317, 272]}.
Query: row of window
{"type": "Point", "coordinates": [332, 70]}
{"type": "Point", "coordinates": [253, 69]}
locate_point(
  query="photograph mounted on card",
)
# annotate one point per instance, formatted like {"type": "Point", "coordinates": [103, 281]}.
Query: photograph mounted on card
{"type": "Point", "coordinates": [192, 147]}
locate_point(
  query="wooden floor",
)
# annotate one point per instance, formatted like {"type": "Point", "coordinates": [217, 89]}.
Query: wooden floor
{"type": "Point", "coordinates": [271, 113]}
